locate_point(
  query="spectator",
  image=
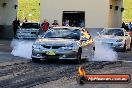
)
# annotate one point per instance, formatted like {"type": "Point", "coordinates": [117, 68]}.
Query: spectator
{"type": "Point", "coordinates": [16, 24]}
{"type": "Point", "coordinates": [124, 26]}
{"type": "Point", "coordinates": [66, 22]}
{"type": "Point", "coordinates": [82, 23]}
{"type": "Point", "coordinates": [45, 25]}
{"type": "Point", "coordinates": [55, 23]}
{"type": "Point", "coordinates": [129, 26]}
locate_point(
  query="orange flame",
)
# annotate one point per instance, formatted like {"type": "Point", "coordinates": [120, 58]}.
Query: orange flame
{"type": "Point", "coordinates": [81, 71]}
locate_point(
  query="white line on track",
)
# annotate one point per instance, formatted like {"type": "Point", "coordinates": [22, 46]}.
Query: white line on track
{"type": "Point", "coordinates": [1, 44]}
{"type": "Point", "coordinates": [125, 61]}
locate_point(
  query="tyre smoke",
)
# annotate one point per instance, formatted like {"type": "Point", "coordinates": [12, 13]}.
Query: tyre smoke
{"type": "Point", "coordinates": [104, 53]}
{"type": "Point", "coordinates": [22, 48]}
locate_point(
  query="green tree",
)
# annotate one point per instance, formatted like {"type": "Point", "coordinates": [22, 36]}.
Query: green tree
{"type": "Point", "coordinates": [26, 7]}
{"type": "Point", "coordinates": [127, 14]}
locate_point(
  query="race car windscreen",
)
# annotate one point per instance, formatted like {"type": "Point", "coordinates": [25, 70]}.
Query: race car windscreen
{"type": "Point", "coordinates": [63, 33]}
{"type": "Point", "coordinates": [30, 25]}
{"type": "Point", "coordinates": [116, 32]}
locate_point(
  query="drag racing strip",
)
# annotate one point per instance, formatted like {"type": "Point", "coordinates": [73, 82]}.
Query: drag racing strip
{"type": "Point", "coordinates": [30, 74]}
{"type": "Point", "coordinates": [125, 56]}
{"type": "Point", "coordinates": [6, 59]}
{"type": "Point", "coordinates": [72, 83]}
{"type": "Point", "coordinates": [18, 72]}
{"type": "Point", "coordinates": [124, 61]}
{"type": "Point", "coordinates": [1, 44]}
{"type": "Point", "coordinates": [5, 46]}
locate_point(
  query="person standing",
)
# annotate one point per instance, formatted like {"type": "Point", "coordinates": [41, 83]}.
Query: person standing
{"type": "Point", "coordinates": [45, 26]}
{"type": "Point", "coordinates": [130, 26]}
{"type": "Point", "coordinates": [66, 22]}
{"type": "Point", "coordinates": [16, 24]}
{"type": "Point", "coordinates": [55, 23]}
{"type": "Point", "coordinates": [82, 23]}
{"type": "Point", "coordinates": [124, 26]}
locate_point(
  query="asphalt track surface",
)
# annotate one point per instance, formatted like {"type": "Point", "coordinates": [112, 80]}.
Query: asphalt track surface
{"type": "Point", "coordinates": [16, 72]}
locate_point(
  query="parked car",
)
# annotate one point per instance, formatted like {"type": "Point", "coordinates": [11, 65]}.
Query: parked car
{"type": "Point", "coordinates": [63, 43]}
{"type": "Point", "coordinates": [28, 30]}
{"type": "Point", "coordinates": [117, 38]}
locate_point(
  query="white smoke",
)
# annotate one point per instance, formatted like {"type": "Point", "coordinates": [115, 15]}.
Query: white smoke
{"type": "Point", "coordinates": [22, 48]}
{"type": "Point", "coordinates": [104, 53]}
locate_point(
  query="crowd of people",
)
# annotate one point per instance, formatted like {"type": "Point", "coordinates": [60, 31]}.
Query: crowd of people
{"type": "Point", "coordinates": [43, 28]}
{"type": "Point", "coordinates": [45, 25]}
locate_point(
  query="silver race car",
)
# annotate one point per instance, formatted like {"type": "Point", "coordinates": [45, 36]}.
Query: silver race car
{"type": "Point", "coordinates": [63, 43]}
{"type": "Point", "coordinates": [28, 30]}
{"type": "Point", "coordinates": [116, 38]}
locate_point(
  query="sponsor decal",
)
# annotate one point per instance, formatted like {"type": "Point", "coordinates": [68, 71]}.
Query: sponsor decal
{"type": "Point", "coordinates": [83, 78]}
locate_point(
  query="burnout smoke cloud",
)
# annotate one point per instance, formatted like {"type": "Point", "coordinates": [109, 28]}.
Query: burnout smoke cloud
{"type": "Point", "coordinates": [104, 53]}
{"type": "Point", "coordinates": [22, 48]}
